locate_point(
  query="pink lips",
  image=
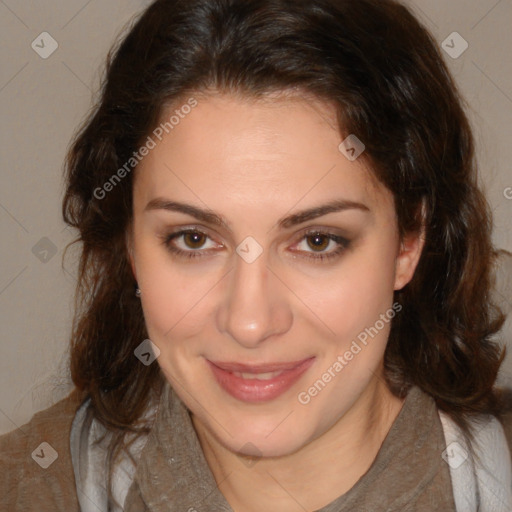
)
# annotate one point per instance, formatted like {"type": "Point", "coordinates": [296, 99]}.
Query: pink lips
{"type": "Point", "coordinates": [258, 383]}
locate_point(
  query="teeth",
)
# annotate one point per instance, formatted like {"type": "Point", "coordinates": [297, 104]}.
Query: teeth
{"type": "Point", "coordinates": [258, 376]}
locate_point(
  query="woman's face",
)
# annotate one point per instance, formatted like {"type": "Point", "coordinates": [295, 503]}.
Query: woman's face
{"type": "Point", "coordinates": [267, 262]}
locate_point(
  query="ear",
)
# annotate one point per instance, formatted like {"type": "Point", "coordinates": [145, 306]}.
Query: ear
{"type": "Point", "coordinates": [409, 253]}
{"type": "Point", "coordinates": [408, 257]}
{"type": "Point", "coordinates": [130, 250]}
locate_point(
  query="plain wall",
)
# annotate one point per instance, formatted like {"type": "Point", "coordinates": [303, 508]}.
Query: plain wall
{"type": "Point", "coordinates": [42, 101]}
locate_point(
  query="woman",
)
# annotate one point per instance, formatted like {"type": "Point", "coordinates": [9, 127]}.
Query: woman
{"type": "Point", "coordinates": [285, 275]}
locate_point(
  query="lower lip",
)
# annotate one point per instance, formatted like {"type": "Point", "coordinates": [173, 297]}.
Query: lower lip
{"type": "Point", "coordinates": [254, 390]}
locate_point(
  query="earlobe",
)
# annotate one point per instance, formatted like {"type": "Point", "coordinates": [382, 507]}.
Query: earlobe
{"type": "Point", "coordinates": [408, 257]}
{"type": "Point", "coordinates": [129, 252]}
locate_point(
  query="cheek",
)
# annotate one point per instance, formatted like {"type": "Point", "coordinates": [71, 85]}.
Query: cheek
{"type": "Point", "coordinates": [352, 297]}
{"type": "Point", "coordinates": [173, 298]}
{"type": "Point", "coordinates": [180, 301]}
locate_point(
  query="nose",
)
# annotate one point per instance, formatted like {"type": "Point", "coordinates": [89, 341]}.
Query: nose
{"type": "Point", "coordinates": [254, 307]}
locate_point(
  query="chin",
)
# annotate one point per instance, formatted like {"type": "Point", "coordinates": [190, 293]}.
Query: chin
{"type": "Point", "coordinates": [264, 438]}
{"type": "Point", "coordinates": [257, 447]}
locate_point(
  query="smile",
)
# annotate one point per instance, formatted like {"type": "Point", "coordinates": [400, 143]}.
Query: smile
{"type": "Point", "coordinates": [258, 383]}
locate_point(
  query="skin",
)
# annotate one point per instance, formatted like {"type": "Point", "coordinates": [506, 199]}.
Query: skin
{"type": "Point", "coordinates": [254, 162]}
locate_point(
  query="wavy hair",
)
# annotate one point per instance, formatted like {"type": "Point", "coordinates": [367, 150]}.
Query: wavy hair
{"type": "Point", "coordinates": [383, 71]}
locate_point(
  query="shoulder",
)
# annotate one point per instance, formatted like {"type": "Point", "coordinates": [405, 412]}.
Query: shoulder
{"type": "Point", "coordinates": [506, 416]}
{"type": "Point", "coordinates": [480, 464]}
{"type": "Point", "coordinates": [35, 461]}
{"type": "Point", "coordinates": [506, 422]}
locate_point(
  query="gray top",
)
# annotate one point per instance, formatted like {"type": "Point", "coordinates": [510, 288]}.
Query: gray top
{"type": "Point", "coordinates": [408, 474]}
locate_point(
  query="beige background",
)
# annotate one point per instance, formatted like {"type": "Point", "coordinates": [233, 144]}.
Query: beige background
{"type": "Point", "coordinates": [43, 100]}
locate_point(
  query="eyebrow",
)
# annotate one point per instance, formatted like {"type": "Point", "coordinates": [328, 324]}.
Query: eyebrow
{"type": "Point", "coordinates": [210, 217]}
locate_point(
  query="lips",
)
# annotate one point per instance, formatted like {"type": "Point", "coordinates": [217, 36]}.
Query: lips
{"type": "Point", "coordinates": [258, 383]}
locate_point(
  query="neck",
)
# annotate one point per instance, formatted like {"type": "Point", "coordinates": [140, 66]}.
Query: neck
{"type": "Point", "coordinates": [313, 476]}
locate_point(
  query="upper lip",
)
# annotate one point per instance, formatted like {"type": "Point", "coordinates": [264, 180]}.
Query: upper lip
{"type": "Point", "coordinates": [258, 368]}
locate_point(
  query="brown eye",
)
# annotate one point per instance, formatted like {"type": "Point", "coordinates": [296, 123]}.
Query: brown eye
{"type": "Point", "coordinates": [194, 240]}
{"type": "Point", "coordinates": [318, 246]}
{"type": "Point", "coordinates": [318, 242]}
{"type": "Point", "coordinates": [190, 243]}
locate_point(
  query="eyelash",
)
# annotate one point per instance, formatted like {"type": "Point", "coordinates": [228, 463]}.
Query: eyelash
{"type": "Point", "coordinates": [343, 244]}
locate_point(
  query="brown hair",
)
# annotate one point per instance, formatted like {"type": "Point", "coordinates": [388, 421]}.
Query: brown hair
{"type": "Point", "coordinates": [384, 73]}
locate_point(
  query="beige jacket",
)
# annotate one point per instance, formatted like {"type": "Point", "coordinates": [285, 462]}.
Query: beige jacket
{"type": "Point", "coordinates": [26, 485]}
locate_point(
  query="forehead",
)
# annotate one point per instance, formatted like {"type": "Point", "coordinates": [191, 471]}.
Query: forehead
{"type": "Point", "coordinates": [276, 151]}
